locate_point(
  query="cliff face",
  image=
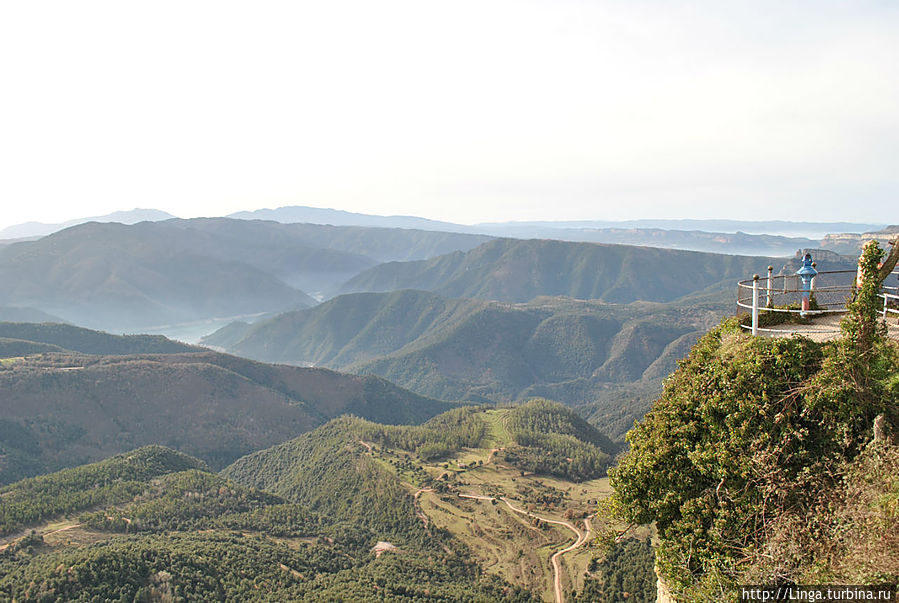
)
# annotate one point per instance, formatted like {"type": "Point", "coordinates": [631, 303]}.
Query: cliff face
{"type": "Point", "coordinates": [851, 242]}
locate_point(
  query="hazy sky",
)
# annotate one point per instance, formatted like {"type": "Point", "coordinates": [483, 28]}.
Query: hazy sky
{"type": "Point", "coordinates": [455, 110]}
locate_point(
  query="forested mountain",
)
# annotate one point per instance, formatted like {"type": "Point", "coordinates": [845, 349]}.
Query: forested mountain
{"type": "Point", "coordinates": [346, 329]}
{"type": "Point", "coordinates": [153, 524]}
{"type": "Point", "coordinates": [112, 481]}
{"type": "Point", "coordinates": [448, 476]}
{"type": "Point", "coordinates": [519, 270]}
{"type": "Point", "coordinates": [61, 410]}
{"type": "Point", "coordinates": [328, 470]}
{"type": "Point", "coordinates": [552, 439]}
{"type": "Point", "coordinates": [325, 516]}
{"type": "Point", "coordinates": [325, 471]}
{"type": "Point", "coordinates": [567, 350]}
{"type": "Point", "coordinates": [115, 276]}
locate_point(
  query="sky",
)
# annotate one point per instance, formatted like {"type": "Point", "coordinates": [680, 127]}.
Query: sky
{"type": "Point", "coordinates": [465, 111]}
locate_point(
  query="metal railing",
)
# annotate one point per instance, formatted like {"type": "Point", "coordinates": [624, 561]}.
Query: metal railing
{"type": "Point", "coordinates": [890, 301]}
{"type": "Point", "coordinates": [829, 293]}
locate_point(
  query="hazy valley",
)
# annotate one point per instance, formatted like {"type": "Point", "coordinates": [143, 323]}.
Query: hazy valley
{"type": "Point", "coordinates": [402, 413]}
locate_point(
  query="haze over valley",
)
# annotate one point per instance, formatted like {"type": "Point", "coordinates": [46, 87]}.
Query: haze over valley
{"type": "Point", "coordinates": [411, 301]}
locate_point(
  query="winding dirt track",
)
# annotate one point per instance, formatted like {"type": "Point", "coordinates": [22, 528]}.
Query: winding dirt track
{"type": "Point", "coordinates": [582, 538]}
{"type": "Point", "coordinates": [421, 515]}
{"type": "Point", "coordinates": [20, 536]}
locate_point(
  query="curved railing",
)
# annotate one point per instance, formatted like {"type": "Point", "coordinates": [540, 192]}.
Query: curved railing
{"type": "Point", "coordinates": [783, 294]}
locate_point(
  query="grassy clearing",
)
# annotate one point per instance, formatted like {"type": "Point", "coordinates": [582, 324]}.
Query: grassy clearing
{"type": "Point", "coordinates": [497, 434]}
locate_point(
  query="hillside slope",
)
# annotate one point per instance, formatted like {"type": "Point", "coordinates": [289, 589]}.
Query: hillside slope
{"type": "Point", "coordinates": [153, 524]}
{"type": "Point", "coordinates": [564, 349]}
{"type": "Point", "coordinates": [62, 410]}
{"type": "Point", "coordinates": [463, 475]}
{"type": "Point", "coordinates": [519, 270]}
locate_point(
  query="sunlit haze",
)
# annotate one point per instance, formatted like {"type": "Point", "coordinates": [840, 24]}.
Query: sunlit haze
{"type": "Point", "coordinates": [465, 111]}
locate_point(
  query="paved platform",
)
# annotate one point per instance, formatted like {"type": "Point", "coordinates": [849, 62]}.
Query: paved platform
{"type": "Point", "coordinates": [822, 328]}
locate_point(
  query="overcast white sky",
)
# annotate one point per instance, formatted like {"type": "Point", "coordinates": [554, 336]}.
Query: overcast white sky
{"type": "Point", "coordinates": [465, 111]}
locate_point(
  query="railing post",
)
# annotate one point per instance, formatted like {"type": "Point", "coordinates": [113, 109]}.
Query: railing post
{"type": "Point", "coordinates": [886, 302]}
{"type": "Point", "coordinates": [768, 301]}
{"type": "Point", "coordinates": [755, 304]}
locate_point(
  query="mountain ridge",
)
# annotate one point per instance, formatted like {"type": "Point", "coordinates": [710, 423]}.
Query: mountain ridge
{"type": "Point", "coordinates": [40, 229]}
{"type": "Point", "coordinates": [515, 270]}
{"type": "Point", "coordinates": [60, 408]}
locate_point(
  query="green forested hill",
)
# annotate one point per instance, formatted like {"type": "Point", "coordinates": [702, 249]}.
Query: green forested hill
{"type": "Point", "coordinates": [112, 481]}
{"type": "Point", "coordinates": [60, 410]}
{"type": "Point", "coordinates": [325, 471]}
{"type": "Point", "coordinates": [567, 350]}
{"type": "Point", "coordinates": [346, 329]}
{"type": "Point", "coordinates": [519, 270]}
{"type": "Point", "coordinates": [553, 439]}
{"type": "Point", "coordinates": [155, 525]}
{"type": "Point", "coordinates": [299, 521]}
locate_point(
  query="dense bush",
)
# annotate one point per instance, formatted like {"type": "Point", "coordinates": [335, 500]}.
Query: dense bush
{"type": "Point", "coordinates": [749, 430]}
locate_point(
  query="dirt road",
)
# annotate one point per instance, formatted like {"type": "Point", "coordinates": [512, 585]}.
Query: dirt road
{"type": "Point", "coordinates": [582, 538]}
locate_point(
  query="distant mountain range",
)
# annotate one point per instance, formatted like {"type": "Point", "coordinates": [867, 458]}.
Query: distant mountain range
{"type": "Point", "coordinates": [814, 230]}
{"type": "Point", "coordinates": [738, 237]}
{"type": "Point", "coordinates": [741, 237]}
{"type": "Point", "coordinates": [152, 274]}
{"type": "Point", "coordinates": [594, 326]}
{"type": "Point", "coordinates": [120, 277]}
{"type": "Point", "coordinates": [316, 215]}
{"type": "Point", "coordinates": [39, 229]}
{"type": "Point", "coordinates": [336, 217]}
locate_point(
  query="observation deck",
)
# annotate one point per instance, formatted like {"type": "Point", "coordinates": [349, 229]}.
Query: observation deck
{"type": "Point", "coordinates": [774, 304]}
